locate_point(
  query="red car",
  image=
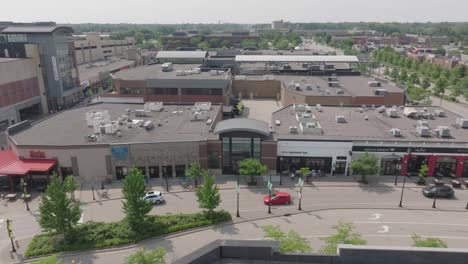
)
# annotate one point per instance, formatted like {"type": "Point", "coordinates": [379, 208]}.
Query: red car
{"type": "Point", "coordinates": [278, 198]}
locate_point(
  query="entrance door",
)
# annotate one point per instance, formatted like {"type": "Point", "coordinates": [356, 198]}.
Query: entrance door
{"type": "Point", "coordinates": [340, 167]}
{"type": "Point", "coordinates": [415, 163]}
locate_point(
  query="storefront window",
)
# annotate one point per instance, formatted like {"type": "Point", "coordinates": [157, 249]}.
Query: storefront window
{"type": "Point", "coordinates": [390, 165]}
{"type": "Point", "coordinates": [180, 170]}
{"type": "Point", "coordinates": [167, 171]}
{"type": "Point", "coordinates": [213, 160]}
{"type": "Point", "coordinates": [236, 149]}
{"type": "Point", "coordinates": [121, 172]}
{"type": "Point", "coordinates": [445, 167]}
{"type": "Point", "coordinates": [154, 172]}
{"type": "Point", "coordinates": [465, 168]}
{"type": "Point", "coordinates": [340, 167]}
{"type": "Point", "coordinates": [415, 163]}
{"type": "Point", "coordinates": [142, 170]}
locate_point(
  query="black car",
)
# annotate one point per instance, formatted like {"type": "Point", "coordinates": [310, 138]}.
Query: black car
{"type": "Point", "coordinates": [442, 191]}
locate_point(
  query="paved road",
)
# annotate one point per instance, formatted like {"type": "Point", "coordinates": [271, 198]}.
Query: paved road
{"type": "Point", "coordinates": [393, 227]}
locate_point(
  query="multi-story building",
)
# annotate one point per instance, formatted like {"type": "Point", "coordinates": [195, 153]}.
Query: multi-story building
{"type": "Point", "coordinates": [278, 24]}
{"type": "Point", "coordinates": [179, 39]}
{"type": "Point", "coordinates": [95, 46]}
{"type": "Point", "coordinates": [21, 87]}
{"type": "Point", "coordinates": [57, 59]}
{"type": "Point", "coordinates": [234, 38]}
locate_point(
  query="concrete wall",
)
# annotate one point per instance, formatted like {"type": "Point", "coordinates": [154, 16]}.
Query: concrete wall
{"type": "Point", "coordinates": [91, 161]}
{"type": "Point", "coordinates": [258, 88]}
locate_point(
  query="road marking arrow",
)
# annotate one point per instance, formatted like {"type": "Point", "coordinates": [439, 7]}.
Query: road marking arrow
{"type": "Point", "coordinates": [385, 229]}
{"type": "Point", "coordinates": [375, 216]}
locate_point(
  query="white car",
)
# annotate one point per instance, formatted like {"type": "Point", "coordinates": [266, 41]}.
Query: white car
{"type": "Point", "coordinates": [154, 197]}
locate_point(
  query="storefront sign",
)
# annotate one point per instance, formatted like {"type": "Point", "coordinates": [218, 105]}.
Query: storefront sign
{"type": "Point", "coordinates": [119, 153]}
{"type": "Point", "coordinates": [36, 154]}
{"type": "Point", "coordinates": [412, 149]}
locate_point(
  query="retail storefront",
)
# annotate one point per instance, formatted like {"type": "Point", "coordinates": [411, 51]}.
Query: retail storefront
{"type": "Point", "coordinates": [330, 158]}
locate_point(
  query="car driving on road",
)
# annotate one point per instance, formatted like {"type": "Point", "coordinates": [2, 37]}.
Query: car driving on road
{"type": "Point", "coordinates": [154, 197]}
{"type": "Point", "coordinates": [441, 191]}
{"type": "Point", "coordinates": [278, 198]}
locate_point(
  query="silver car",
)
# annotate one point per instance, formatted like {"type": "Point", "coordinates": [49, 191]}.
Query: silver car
{"type": "Point", "coordinates": [154, 197]}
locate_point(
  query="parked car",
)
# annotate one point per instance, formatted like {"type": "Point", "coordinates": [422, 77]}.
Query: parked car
{"type": "Point", "coordinates": [278, 198]}
{"type": "Point", "coordinates": [154, 197]}
{"type": "Point", "coordinates": [442, 191]}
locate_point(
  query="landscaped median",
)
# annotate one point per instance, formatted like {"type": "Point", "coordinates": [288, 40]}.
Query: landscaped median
{"type": "Point", "coordinates": [92, 235]}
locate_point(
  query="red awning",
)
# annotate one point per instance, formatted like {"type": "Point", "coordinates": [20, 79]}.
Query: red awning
{"type": "Point", "coordinates": [10, 164]}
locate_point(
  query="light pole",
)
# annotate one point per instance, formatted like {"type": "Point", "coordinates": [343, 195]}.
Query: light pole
{"type": "Point", "coordinates": [435, 195]}
{"type": "Point", "coordinates": [10, 234]}
{"type": "Point", "coordinates": [301, 183]}
{"type": "Point", "coordinates": [238, 191]}
{"type": "Point", "coordinates": [269, 195]}
{"type": "Point", "coordinates": [402, 191]}
{"type": "Point", "coordinates": [92, 189]}
{"type": "Point", "coordinates": [25, 192]}
{"type": "Point", "coordinates": [395, 162]}
{"type": "Point", "coordinates": [166, 156]}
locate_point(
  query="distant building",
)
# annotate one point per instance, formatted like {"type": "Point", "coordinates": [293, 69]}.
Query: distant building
{"type": "Point", "coordinates": [234, 38]}
{"type": "Point", "coordinates": [57, 59]}
{"type": "Point", "coordinates": [21, 87]}
{"type": "Point", "coordinates": [179, 39]}
{"type": "Point", "coordinates": [277, 24]}
{"type": "Point", "coordinates": [95, 46]}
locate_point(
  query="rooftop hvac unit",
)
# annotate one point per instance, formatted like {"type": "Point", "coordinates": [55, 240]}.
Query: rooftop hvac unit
{"type": "Point", "coordinates": [309, 87]}
{"type": "Point", "coordinates": [333, 79]}
{"type": "Point", "coordinates": [381, 109]}
{"type": "Point", "coordinates": [198, 116]}
{"type": "Point", "coordinates": [374, 84]}
{"type": "Point", "coordinates": [311, 125]}
{"type": "Point", "coordinates": [462, 122]}
{"type": "Point", "coordinates": [300, 107]}
{"type": "Point", "coordinates": [380, 92]}
{"type": "Point", "coordinates": [392, 112]}
{"type": "Point", "coordinates": [339, 91]}
{"type": "Point", "coordinates": [306, 116]}
{"type": "Point", "coordinates": [148, 125]}
{"type": "Point", "coordinates": [297, 87]}
{"type": "Point", "coordinates": [166, 67]}
{"type": "Point", "coordinates": [410, 112]}
{"type": "Point", "coordinates": [333, 84]}
{"type": "Point", "coordinates": [440, 113]}
{"type": "Point", "coordinates": [340, 119]}
{"type": "Point", "coordinates": [443, 131]}
{"type": "Point", "coordinates": [395, 132]}
{"type": "Point", "coordinates": [154, 106]}
{"type": "Point", "coordinates": [293, 129]}
{"type": "Point", "coordinates": [209, 121]}
{"type": "Point", "coordinates": [91, 138]}
{"type": "Point", "coordinates": [319, 108]}
{"type": "Point", "coordinates": [308, 109]}
{"type": "Point", "coordinates": [423, 123]}
{"type": "Point", "coordinates": [141, 112]}
{"type": "Point", "coordinates": [202, 106]}
{"type": "Point", "coordinates": [277, 122]}
{"type": "Point", "coordinates": [423, 131]}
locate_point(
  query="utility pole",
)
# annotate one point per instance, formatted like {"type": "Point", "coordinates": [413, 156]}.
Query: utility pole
{"type": "Point", "coordinates": [238, 191]}
{"type": "Point", "coordinates": [10, 234]}
{"type": "Point", "coordinates": [270, 185]}
{"type": "Point", "coordinates": [301, 183]}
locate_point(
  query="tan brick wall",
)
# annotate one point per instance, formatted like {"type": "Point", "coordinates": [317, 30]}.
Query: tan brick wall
{"type": "Point", "coordinates": [259, 88]}
{"type": "Point", "coordinates": [269, 150]}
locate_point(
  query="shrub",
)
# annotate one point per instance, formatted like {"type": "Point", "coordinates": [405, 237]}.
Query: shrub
{"type": "Point", "coordinates": [98, 234]}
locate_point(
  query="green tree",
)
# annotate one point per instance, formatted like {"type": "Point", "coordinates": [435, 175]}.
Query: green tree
{"type": "Point", "coordinates": [208, 196]}
{"type": "Point", "coordinates": [291, 242]}
{"type": "Point", "coordinates": [194, 41]}
{"type": "Point", "coordinates": [251, 167]}
{"type": "Point", "coordinates": [134, 206]}
{"type": "Point", "coordinates": [386, 71]}
{"type": "Point", "coordinates": [344, 235]}
{"type": "Point", "coordinates": [417, 94]}
{"type": "Point", "coordinates": [282, 44]}
{"type": "Point", "coordinates": [263, 44]}
{"type": "Point", "coordinates": [432, 242]}
{"type": "Point", "coordinates": [440, 86]}
{"type": "Point", "coordinates": [248, 43]}
{"type": "Point", "coordinates": [462, 87]}
{"type": "Point", "coordinates": [194, 172]}
{"type": "Point", "coordinates": [70, 186]}
{"type": "Point", "coordinates": [413, 78]}
{"type": "Point", "coordinates": [204, 45]}
{"type": "Point", "coordinates": [365, 165]}
{"type": "Point", "coordinates": [54, 259]}
{"type": "Point", "coordinates": [142, 256]}
{"type": "Point", "coordinates": [457, 73]}
{"type": "Point", "coordinates": [426, 83]}
{"type": "Point", "coordinates": [394, 74]}
{"type": "Point", "coordinates": [403, 75]}
{"type": "Point", "coordinates": [57, 211]}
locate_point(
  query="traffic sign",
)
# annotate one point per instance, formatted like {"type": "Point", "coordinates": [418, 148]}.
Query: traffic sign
{"type": "Point", "coordinates": [238, 188]}
{"type": "Point", "coordinates": [301, 182]}
{"type": "Point", "coordinates": [270, 186]}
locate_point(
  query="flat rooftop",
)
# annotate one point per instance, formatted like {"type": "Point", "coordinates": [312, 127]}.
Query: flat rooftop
{"type": "Point", "coordinates": [295, 58]}
{"type": "Point", "coordinates": [155, 72]}
{"type": "Point", "coordinates": [376, 128]}
{"type": "Point", "coordinates": [9, 59]}
{"type": "Point", "coordinates": [175, 126]}
{"type": "Point", "coordinates": [89, 72]}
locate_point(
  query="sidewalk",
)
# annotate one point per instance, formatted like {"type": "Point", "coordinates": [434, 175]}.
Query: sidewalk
{"type": "Point", "coordinates": [226, 182]}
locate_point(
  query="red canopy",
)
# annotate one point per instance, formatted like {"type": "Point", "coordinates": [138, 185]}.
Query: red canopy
{"type": "Point", "coordinates": [10, 164]}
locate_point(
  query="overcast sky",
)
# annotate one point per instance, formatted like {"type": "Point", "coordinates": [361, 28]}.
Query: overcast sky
{"type": "Point", "coordinates": [236, 11]}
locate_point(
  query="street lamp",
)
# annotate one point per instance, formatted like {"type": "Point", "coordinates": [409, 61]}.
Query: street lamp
{"type": "Point", "coordinates": [402, 190]}
{"type": "Point", "coordinates": [435, 195]}
{"type": "Point", "coordinates": [269, 194]}
{"type": "Point", "coordinates": [301, 183]}
{"type": "Point", "coordinates": [238, 191]}
{"type": "Point", "coordinates": [166, 156]}
{"type": "Point", "coordinates": [92, 189]}
{"type": "Point", "coordinates": [25, 192]}
{"type": "Point", "coordinates": [395, 163]}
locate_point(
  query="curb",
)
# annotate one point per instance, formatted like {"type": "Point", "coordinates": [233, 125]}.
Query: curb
{"type": "Point", "coordinates": [230, 223]}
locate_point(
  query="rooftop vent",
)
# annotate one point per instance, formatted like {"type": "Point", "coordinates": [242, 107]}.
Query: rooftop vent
{"type": "Point", "coordinates": [392, 112]}
{"type": "Point", "coordinates": [339, 91]}
{"type": "Point", "coordinates": [333, 84]}
{"type": "Point", "coordinates": [202, 106]}
{"type": "Point", "coordinates": [395, 132]}
{"type": "Point", "coordinates": [462, 122]}
{"type": "Point", "coordinates": [319, 108]}
{"type": "Point", "coordinates": [374, 84]}
{"type": "Point", "coordinates": [293, 129]}
{"type": "Point", "coordinates": [141, 112]}
{"type": "Point", "coordinates": [300, 107]}
{"type": "Point", "coordinates": [148, 125]}
{"type": "Point", "coordinates": [154, 106]}
{"type": "Point", "coordinates": [198, 116]}
{"type": "Point", "coordinates": [381, 109]}
{"type": "Point", "coordinates": [410, 112]}
{"type": "Point", "coordinates": [442, 131]}
{"type": "Point", "coordinates": [309, 87]}
{"type": "Point", "coordinates": [423, 131]}
{"type": "Point", "coordinates": [166, 67]}
{"type": "Point", "coordinates": [340, 119]}
{"type": "Point", "coordinates": [440, 113]}
{"type": "Point", "coordinates": [423, 123]}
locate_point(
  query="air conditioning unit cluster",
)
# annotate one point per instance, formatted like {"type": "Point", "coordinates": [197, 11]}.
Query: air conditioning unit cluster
{"type": "Point", "coordinates": [423, 131]}
{"type": "Point", "coordinates": [440, 113]}
{"type": "Point", "coordinates": [443, 131]}
{"type": "Point", "coordinates": [392, 112]}
{"type": "Point", "coordinates": [374, 84]}
{"type": "Point", "coordinates": [462, 122]}
{"type": "Point", "coordinates": [340, 119]}
{"type": "Point", "coordinates": [154, 106]}
{"type": "Point", "coordinates": [141, 112]}
{"type": "Point", "coordinates": [293, 130]}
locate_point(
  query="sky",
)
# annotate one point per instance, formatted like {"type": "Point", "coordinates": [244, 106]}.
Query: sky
{"type": "Point", "coordinates": [233, 11]}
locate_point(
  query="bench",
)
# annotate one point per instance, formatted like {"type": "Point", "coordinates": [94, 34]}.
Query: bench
{"type": "Point", "coordinates": [455, 183]}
